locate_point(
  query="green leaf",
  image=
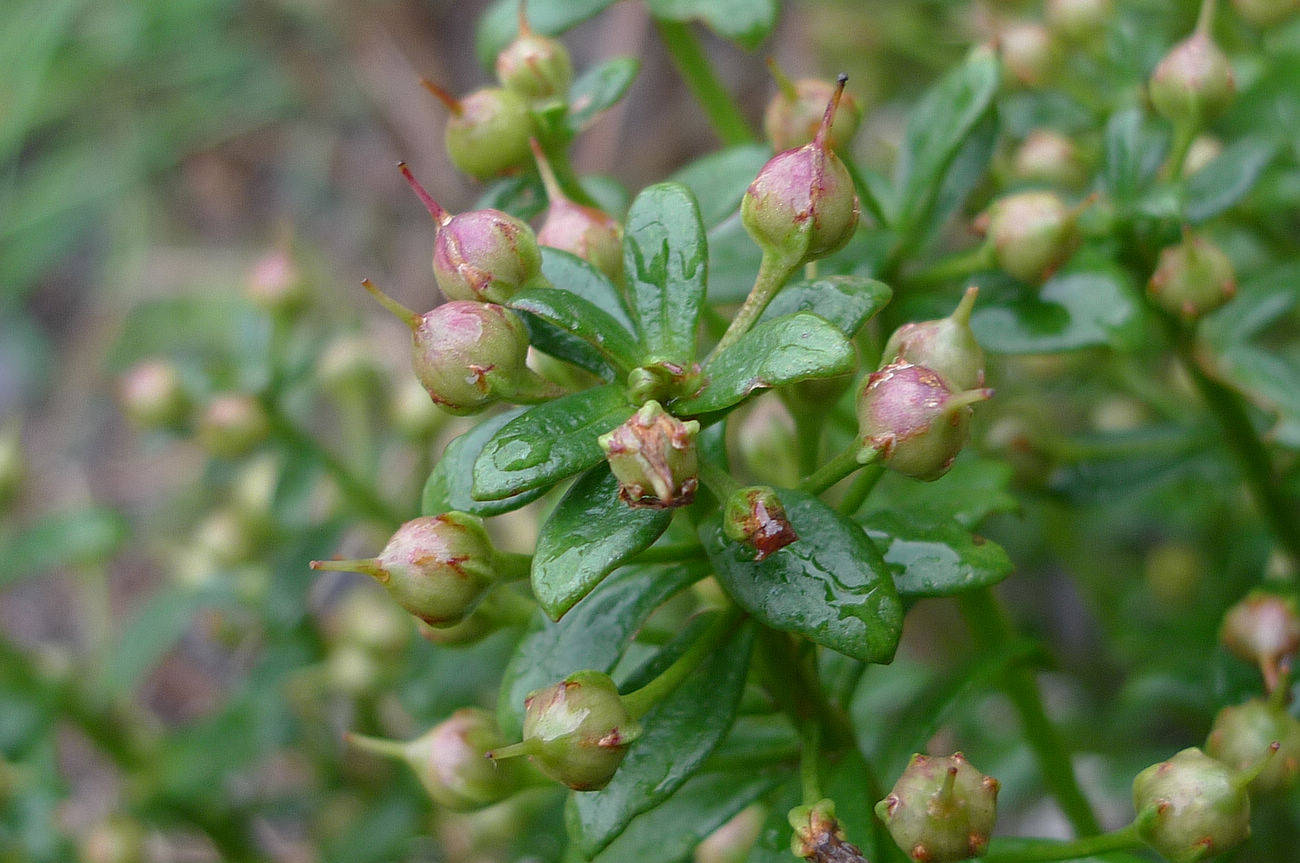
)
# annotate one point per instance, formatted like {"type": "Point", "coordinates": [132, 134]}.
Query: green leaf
{"type": "Point", "coordinates": [568, 272]}
{"type": "Point", "coordinates": [679, 734]}
{"type": "Point", "coordinates": [666, 259]}
{"type": "Point", "coordinates": [582, 319]}
{"type": "Point", "coordinates": [79, 537]}
{"type": "Point", "coordinates": [933, 557]}
{"type": "Point", "coordinates": [448, 486]}
{"type": "Point", "coordinates": [1261, 300]}
{"type": "Point", "coordinates": [968, 168]}
{"type": "Point", "coordinates": [970, 492]}
{"type": "Point", "coordinates": [153, 629]}
{"type": "Point", "coordinates": [593, 635]}
{"type": "Point", "coordinates": [1227, 179]}
{"type": "Point", "coordinates": [831, 586]}
{"type": "Point", "coordinates": [588, 535]}
{"type": "Point", "coordinates": [522, 196]}
{"type": "Point", "coordinates": [746, 22]}
{"type": "Point", "coordinates": [774, 353]}
{"type": "Point", "coordinates": [719, 180]}
{"type": "Point", "coordinates": [936, 132]}
{"type": "Point", "coordinates": [547, 443]}
{"type": "Point", "coordinates": [1135, 148]}
{"type": "Point", "coordinates": [1072, 310]}
{"type": "Point", "coordinates": [846, 302]}
{"type": "Point", "coordinates": [600, 88]}
{"type": "Point", "coordinates": [734, 258]}
{"type": "Point", "coordinates": [500, 23]}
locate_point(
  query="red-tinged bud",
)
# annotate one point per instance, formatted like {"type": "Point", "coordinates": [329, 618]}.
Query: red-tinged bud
{"type": "Point", "coordinates": [438, 568]}
{"type": "Point", "coordinates": [818, 836]}
{"type": "Point", "coordinates": [366, 621]}
{"type": "Point", "coordinates": [1047, 156]}
{"type": "Point", "coordinates": [115, 840]}
{"type": "Point", "coordinates": [795, 112]}
{"type": "Point", "coordinates": [802, 205]}
{"type": "Point", "coordinates": [275, 283]}
{"type": "Point", "coordinates": [576, 731]}
{"type": "Point", "coordinates": [946, 346]}
{"type": "Point", "coordinates": [414, 414]}
{"type": "Point", "coordinates": [1194, 81]}
{"type": "Point", "coordinates": [587, 232]}
{"type": "Point", "coordinates": [1266, 13]}
{"type": "Point", "coordinates": [733, 841]}
{"type": "Point", "coordinates": [941, 809]}
{"type": "Point", "coordinates": [534, 66]}
{"type": "Point", "coordinates": [1192, 278]}
{"type": "Point", "coordinates": [152, 396]}
{"type": "Point", "coordinates": [1191, 807]}
{"type": "Point", "coordinates": [755, 517]}
{"type": "Point", "coordinates": [483, 255]}
{"type": "Point", "coordinates": [1263, 628]}
{"type": "Point", "coordinates": [911, 420]}
{"type": "Point", "coordinates": [451, 762]}
{"type": "Point", "coordinates": [470, 355]}
{"type": "Point", "coordinates": [1242, 735]}
{"type": "Point", "coordinates": [1028, 55]}
{"type": "Point", "coordinates": [1032, 233]}
{"type": "Point", "coordinates": [488, 130]}
{"type": "Point", "coordinates": [232, 425]}
{"type": "Point", "coordinates": [1078, 20]}
{"type": "Point", "coordinates": [653, 456]}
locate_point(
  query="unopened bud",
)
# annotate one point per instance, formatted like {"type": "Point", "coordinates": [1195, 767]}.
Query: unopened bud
{"type": "Point", "coordinates": [946, 346]}
{"type": "Point", "coordinates": [348, 364]}
{"type": "Point", "coordinates": [488, 130]}
{"type": "Point", "coordinates": [1266, 13]}
{"type": "Point", "coordinates": [795, 112]}
{"type": "Point", "coordinates": [818, 836]}
{"type": "Point", "coordinates": [1263, 628]}
{"type": "Point", "coordinates": [755, 517]}
{"type": "Point", "coordinates": [152, 396]}
{"type": "Point", "coordinates": [116, 840]}
{"type": "Point", "coordinates": [1242, 735]}
{"type": "Point", "coordinates": [1193, 277]}
{"type": "Point", "coordinates": [1047, 156]}
{"type": "Point", "coordinates": [911, 420]}
{"type": "Point", "coordinates": [1203, 150]}
{"type": "Point", "coordinates": [1028, 56]}
{"type": "Point", "coordinates": [733, 841]}
{"type": "Point", "coordinates": [653, 456]}
{"type": "Point", "coordinates": [534, 66]}
{"type": "Point", "coordinates": [1194, 82]}
{"type": "Point", "coordinates": [1078, 20]}
{"type": "Point", "coordinates": [232, 425]}
{"type": "Point", "coordinates": [941, 809]}
{"type": "Point", "coordinates": [1032, 233]}
{"type": "Point", "coordinates": [367, 621]}
{"type": "Point", "coordinates": [275, 284]}
{"type": "Point", "coordinates": [1191, 807]}
{"type": "Point", "coordinates": [414, 414]}
{"type": "Point", "coordinates": [587, 232]}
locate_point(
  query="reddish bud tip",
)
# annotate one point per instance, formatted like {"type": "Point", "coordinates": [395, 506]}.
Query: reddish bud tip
{"type": "Point", "coordinates": [829, 117]}
{"type": "Point", "coordinates": [444, 96]}
{"type": "Point", "coordinates": [439, 215]}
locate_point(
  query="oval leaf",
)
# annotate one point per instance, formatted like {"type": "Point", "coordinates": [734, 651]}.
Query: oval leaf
{"type": "Point", "coordinates": [582, 319]}
{"type": "Point", "coordinates": [1227, 179]}
{"type": "Point", "coordinates": [933, 557]}
{"type": "Point", "coordinates": [1072, 311]}
{"type": "Point", "coordinates": [846, 302]}
{"type": "Point", "coordinates": [500, 24]}
{"type": "Point", "coordinates": [448, 486]}
{"type": "Point", "coordinates": [719, 180]}
{"type": "Point", "coordinates": [79, 537]}
{"type": "Point", "coordinates": [568, 272]}
{"type": "Point", "coordinates": [745, 22]}
{"type": "Point", "coordinates": [600, 88]}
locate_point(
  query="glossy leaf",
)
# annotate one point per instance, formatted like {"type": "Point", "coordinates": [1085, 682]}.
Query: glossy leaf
{"type": "Point", "coordinates": [588, 535]}
{"type": "Point", "coordinates": [666, 260]}
{"type": "Point", "coordinates": [679, 734]}
{"type": "Point", "coordinates": [500, 23]}
{"type": "Point", "coordinates": [719, 180]}
{"type": "Point", "coordinates": [774, 353]}
{"type": "Point", "coordinates": [568, 272]}
{"type": "Point", "coordinates": [593, 635]}
{"type": "Point", "coordinates": [521, 196]}
{"type": "Point", "coordinates": [563, 345]}
{"type": "Point", "coordinates": [745, 22]}
{"type": "Point", "coordinates": [734, 258]}
{"type": "Point", "coordinates": [78, 537]}
{"type": "Point", "coordinates": [831, 586]}
{"type": "Point", "coordinates": [931, 557]}
{"type": "Point", "coordinates": [846, 302]}
{"type": "Point", "coordinates": [581, 319]}
{"type": "Point", "coordinates": [547, 443]}
{"type": "Point", "coordinates": [600, 88]}
{"type": "Point", "coordinates": [1227, 179]}
{"type": "Point", "coordinates": [1071, 311]}
{"type": "Point", "coordinates": [972, 490]}
{"type": "Point", "coordinates": [448, 486]}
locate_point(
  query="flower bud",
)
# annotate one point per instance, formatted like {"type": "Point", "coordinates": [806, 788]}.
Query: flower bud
{"type": "Point", "coordinates": [1192, 278]}
{"type": "Point", "coordinates": [232, 425]}
{"type": "Point", "coordinates": [152, 396]}
{"type": "Point", "coordinates": [488, 130]}
{"type": "Point", "coordinates": [817, 834]}
{"type": "Point", "coordinates": [436, 567]}
{"type": "Point", "coordinates": [275, 284]}
{"type": "Point", "coordinates": [1032, 233]}
{"type": "Point", "coordinates": [1078, 20]}
{"type": "Point", "coordinates": [1193, 83]}
{"type": "Point", "coordinates": [946, 346]}
{"type": "Point", "coordinates": [1266, 13]}
{"type": "Point", "coordinates": [755, 517]}
{"type": "Point", "coordinates": [911, 420]}
{"type": "Point", "coordinates": [451, 762]}
{"type": "Point", "coordinates": [224, 538]}
{"type": "Point", "coordinates": [941, 809]}
{"type": "Point", "coordinates": [1027, 52]}
{"type": "Point", "coordinates": [802, 205]}
{"type": "Point", "coordinates": [1191, 807]}
{"type": "Point", "coordinates": [348, 364]}
{"type": "Point", "coordinates": [1047, 156]}
{"type": "Point", "coordinates": [795, 112]}
{"type": "Point", "coordinates": [414, 414]}
{"type": "Point", "coordinates": [653, 456]}
{"type": "Point", "coordinates": [733, 841]}
{"type": "Point", "coordinates": [1203, 150]}
{"type": "Point", "coordinates": [576, 731]}
{"type": "Point", "coordinates": [1263, 628]}
{"type": "Point", "coordinates": [534, 66]}
{"type": "Point", "coordinates": [587, 232]}
{"type": "Point", "coordinates": [1242, 735]}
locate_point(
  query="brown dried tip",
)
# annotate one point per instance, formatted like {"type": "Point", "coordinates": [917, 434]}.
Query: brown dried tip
{"type": "Point", "coordinates": [439, 215]}
{"type": "Point", "coordinates": [444, 96]}
{"type": "Point", "coordinates": [524, 28]}
{"type": "Point", "coordinates": [824, 129]}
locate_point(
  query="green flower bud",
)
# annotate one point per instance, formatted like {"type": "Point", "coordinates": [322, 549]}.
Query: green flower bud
{"type": "Point", "coordinates": [732, 842]}
{"type": "Point", "coordinates": [488, 130]}
{"type": "Point", "coordinates": [1192, 278]}
{"type": "Point", "coordinates": [436, 567]}
{"type": "Point", "coordinates": [366, 621]}
{"type": "Point", "coordinates": [576, 731]}
{"type": "Point", "coordinates": [1242, 735]}
{"type": "Point", "coordinates": [1193, 83]}
{"type": "Point", "coordinates": [1266, 13]}
{"type": "Point", "coordinates": [653, 456]}
{"type": "Point", "coordinates": [353, 672]}
{"type": "Point", "coordinates": [534, 66]}
{"type": "Point", "coordinates": [587, 232]}
{"type": "Point", "coordinates": [1028, 56]}
{"type": "Point", "coordinates": [223, 537]}
{"type": "Point", "coordinates": [1203, 150]}
{"type": "Point", "coordinates": [275, 284]}
{"type": "Point", "coordinates": [1191, 807]}
{"type": "Point", "coordinates": [946, 346]}
{"type": "Point", "coordinates": [232, 425]}
{"type": "Point", "coordinates": [451, 762]}
{"type": "Point", "coordinates": [348, 364]}
{"type": "Point", "coordinates": [1032, 233]}
{"type": "Point", "coordinates": [755, 517]}
{"type": "Point", "coordinates": [115, 840]}
{"type": "Point", "coordinates": [152, 396]}
{"type": "Point", "coordinates": [1047, 156]}
{"type": "Point", "coordinates": [802, 205]}
{"type": "Point", "coordinates": [795, 112]}
{"type": "Point", "coordinates": [941, 809]}
{"type": "Point", "coordinates": [911, 420]}
{"type": "Point", "coordinates": [414, 414]}
{"type": "Point", "coordinates": [1263, 628]}
{"type": "Point", "coordinates": [1078, 20]}
{"type": "Point", "coordinates": [817, 834]}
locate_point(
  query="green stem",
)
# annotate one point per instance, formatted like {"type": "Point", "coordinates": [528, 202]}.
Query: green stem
{"type": "Point", "coordinates": [512, 565]}
{"type": "Point", "coordinates": [808, 437]}
{"type": "Point", "coordinates": [860, 489]}
{"type": "Point", "coordinates": [722, 484]}
{"type": "Point", "coordinates": [639, 702]}
{"type": "Point", "coordinates": [1184, 135]}
{"type": "Point", "coordinates": [836, 469]}
{"type": "Point", "coordinates": [810, 751]}
{"type": "Point", "coordinates": [991, 629]}
{"type": "Point", "coordinates": [557, 155]}
{"type": "Point", "coordinates": [955, 267]}
{"type": "Point", "coordinates": [693, 65]}
{"type": "Point", "coordinates": [772, 275]}
{"type": "Point", "coordinates": [509, 607]}
{"type": "Point", "coordinates": [378, 746]}
{"type": "Point", "coordinates": [1035, 850]}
